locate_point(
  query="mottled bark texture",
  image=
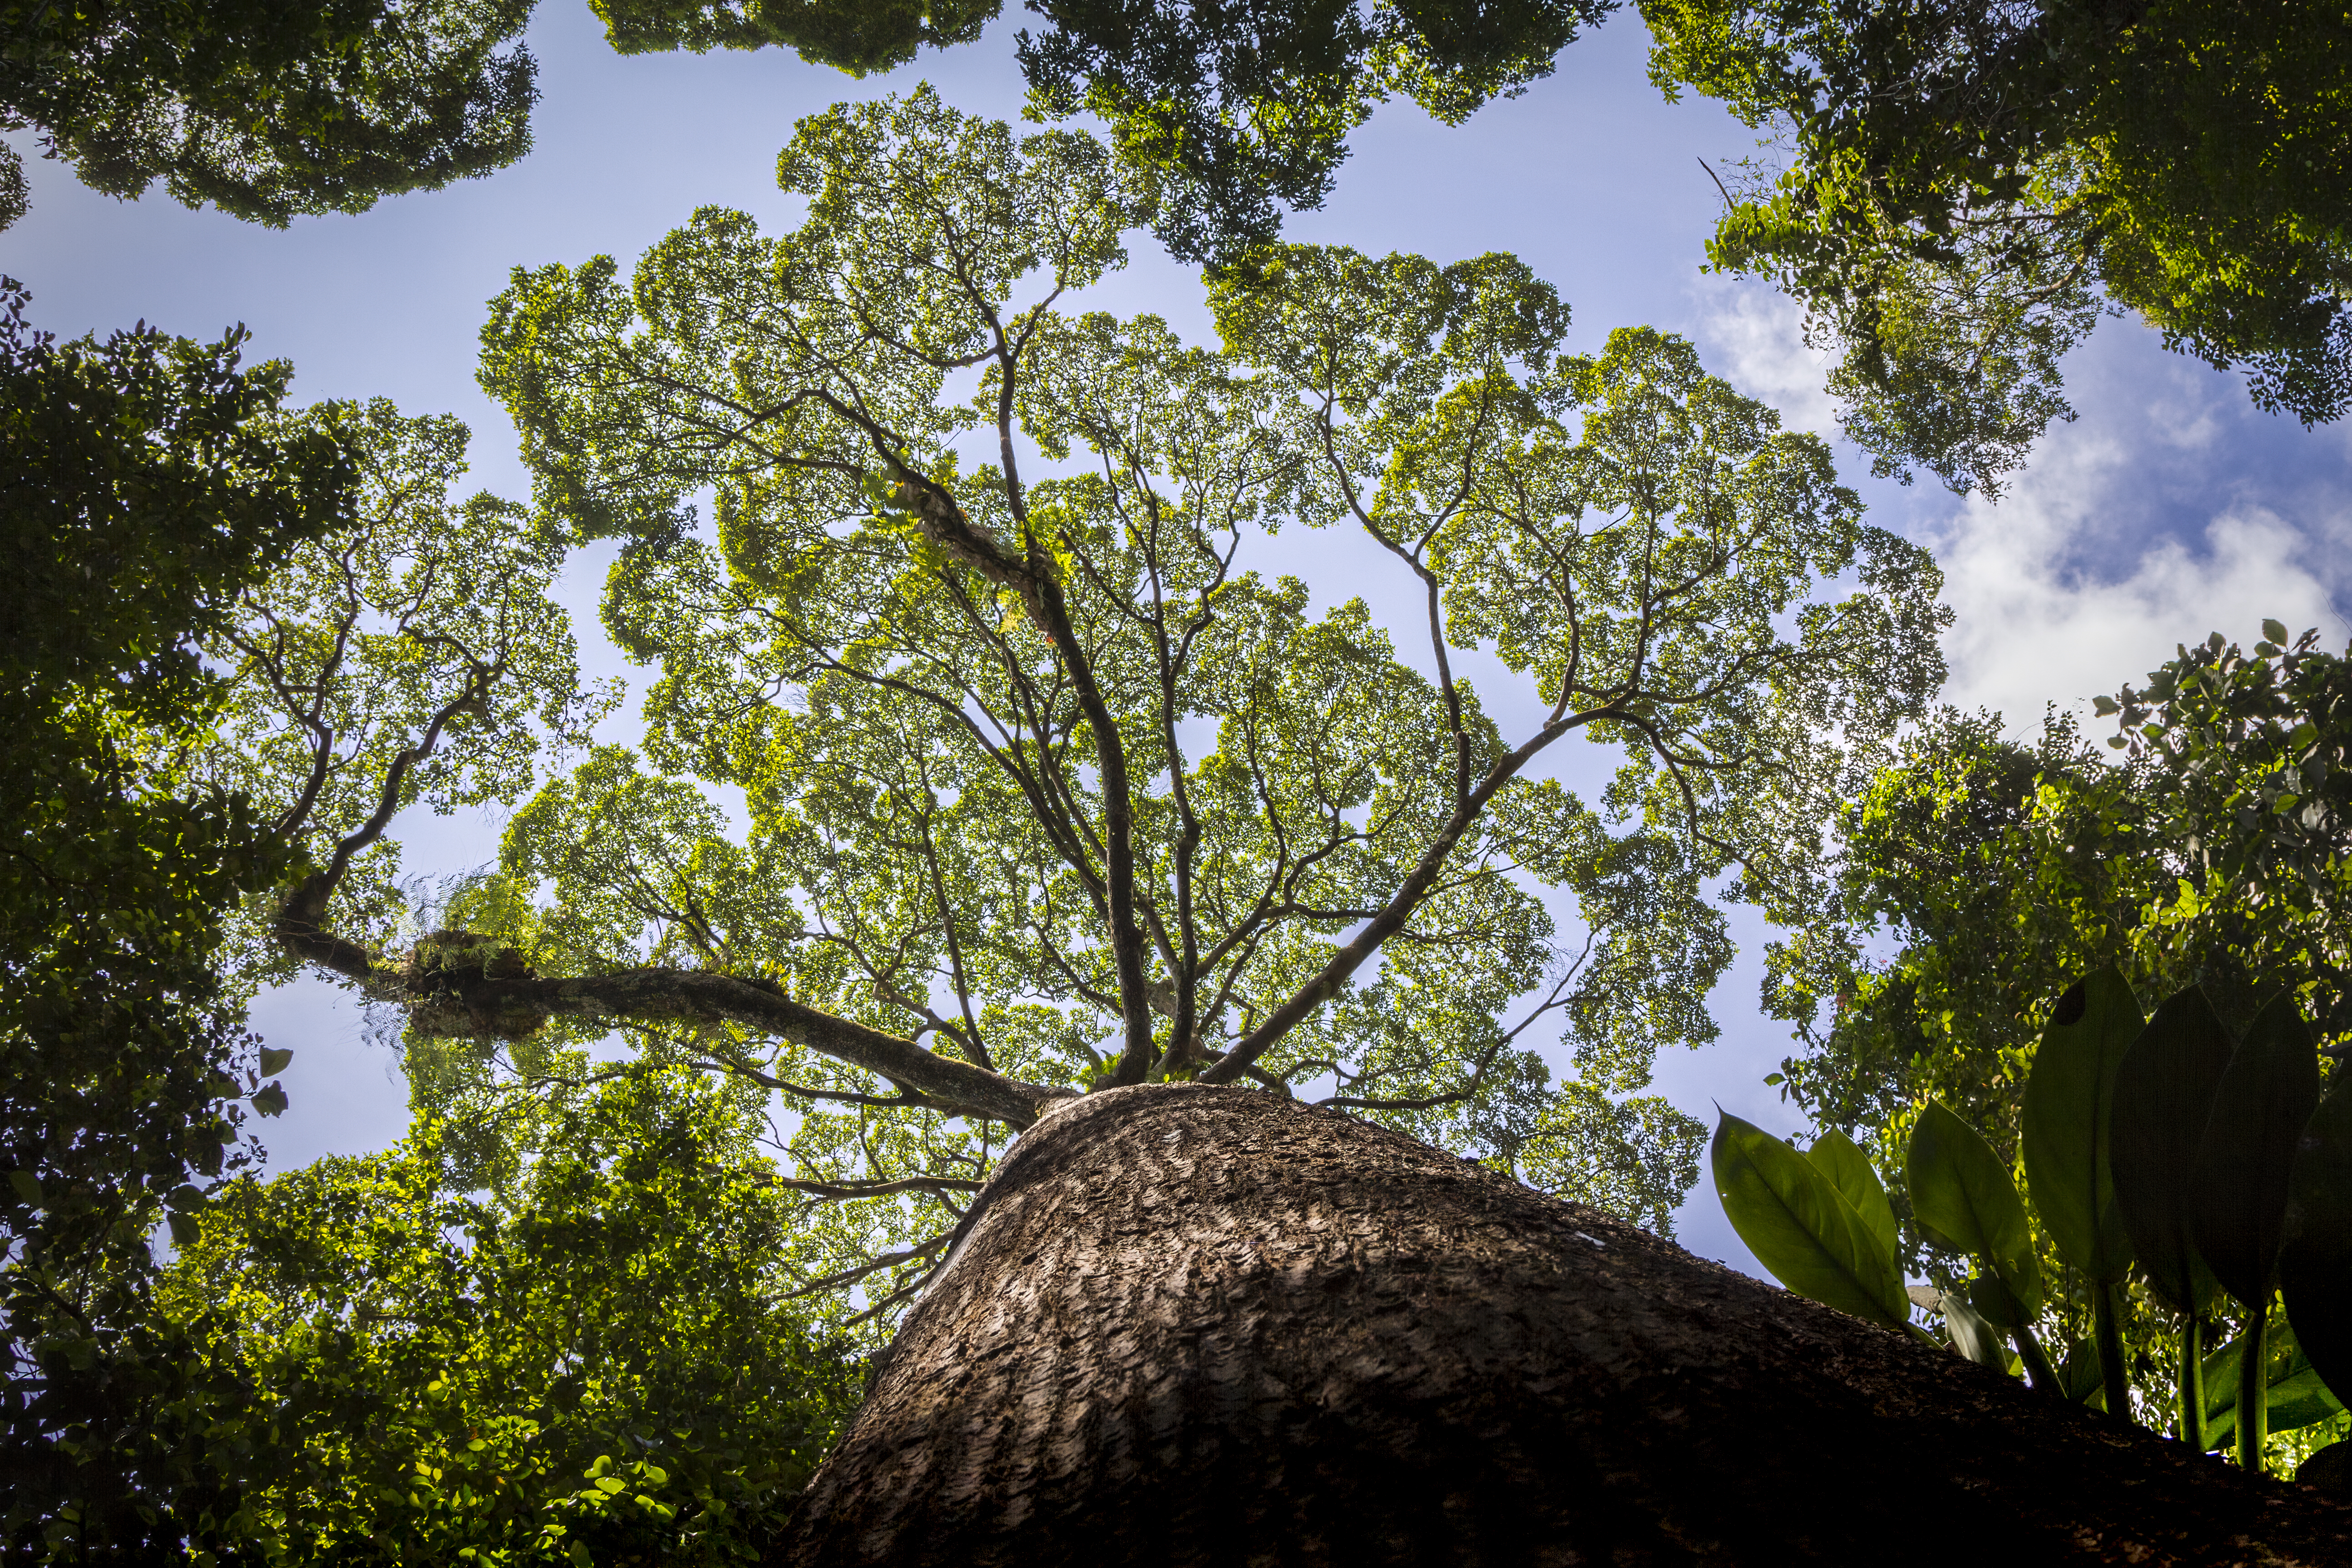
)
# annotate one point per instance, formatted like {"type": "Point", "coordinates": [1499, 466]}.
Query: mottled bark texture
{"type": "Point", "coordinates": [1189, 1325]}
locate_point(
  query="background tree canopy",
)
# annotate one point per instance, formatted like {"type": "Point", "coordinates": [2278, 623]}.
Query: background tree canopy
{"type": "Point", "coordinates": [265, 110]}
{"type": "Point", "coordinates": [143, 486]}
{"type": "Point", "coordinates": [577, 1352]}
{"type": "Point", "coordinates": [1954, 192]}
{"type": "Point", "coordinates": [1978, 877]}
{"type": "Point", "coordinates": [1966, 185]}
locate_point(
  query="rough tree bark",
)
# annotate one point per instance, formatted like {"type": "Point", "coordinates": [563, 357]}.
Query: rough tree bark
{"type": "Point", "coordinates": [1188, 1325]}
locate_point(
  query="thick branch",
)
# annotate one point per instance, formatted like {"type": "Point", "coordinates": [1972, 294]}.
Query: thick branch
{"type": "Point", "coordinates": [1353, 954]}
{"type": "Point", "coordinates": [459, 984]}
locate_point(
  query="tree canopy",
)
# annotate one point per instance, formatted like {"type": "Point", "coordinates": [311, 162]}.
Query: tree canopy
{"type": "Point", "coordinates": [578, 1353]}
{"type": "Point", "coordinates": [1979, 878]}
{"type": "Point", "coordinates": [1954, 192]}
{"type": "Point", "coordinates": [1966, 186]}
{"type": "Point", "coordinates": [265, 110]}
{"type": "Point", "coordinates": [2212, 852]}
{"type": "Point", "coordinates": [1245, 110]}
{"type": "Point", "coordinates": [1042, 786]}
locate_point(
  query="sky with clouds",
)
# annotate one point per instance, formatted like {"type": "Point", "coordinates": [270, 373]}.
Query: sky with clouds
{"type": "Point", "coordinates": [2171, 506]}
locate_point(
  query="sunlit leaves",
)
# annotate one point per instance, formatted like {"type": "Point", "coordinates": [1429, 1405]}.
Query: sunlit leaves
{"type": "Point", "coordinates": [415, 657]}
{"type": "Point", "coordinates": [597, 1352]}
{"type": "Point", "coordinates": [1635, 1156]}
{"type": "Point", "coordinates": [1963, 1197]}
{"type": "Point", "coordinates": [1793, 1217]}
{"type": "Point", "coordinates": [973, 707]}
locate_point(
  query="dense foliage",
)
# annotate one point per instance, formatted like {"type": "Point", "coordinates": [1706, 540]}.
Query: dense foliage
{"type": "Point", "coordinates": [1978, 875]}
{"type": "Point", "coordinates": [1047, 788]}
{"type": "Point", "coordinates": [854, 35]}
{"type": "Point", "coordinates": [264, 110]}
{"type": "Point", "coordinates": [1966, 185]}
{"type": "Point", "coordinates": [994, 758]}
{"type": "Point", "coordinates": [575, 1351]}
{"type": "Point", "coordinates": [2214, 851]}
{"type": "Point", "coordinates": [1241, 112]}
{"type": "Point", "coordinates": [2199, 1162]}
{"type": "Point", "coordinates": [141, 489]}
{"type": "Point", "coordinates": [1956, 191]}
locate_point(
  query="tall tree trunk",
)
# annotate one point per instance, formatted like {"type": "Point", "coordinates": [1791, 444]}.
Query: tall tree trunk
{"type": "Point", "coordinates": [1202, 1326]}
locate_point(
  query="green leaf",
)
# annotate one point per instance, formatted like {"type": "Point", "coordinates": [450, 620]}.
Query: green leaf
{"type": "Point", "coordinates": [2275, 631]}
{"type": "Point", "coordinates": [1971, 1334]}
{"type": "Point", "coordinates": [2298, 1396]}
{"type": "Point", "coordinates": [2078, 1376]}
{"type": "Point", "coordinates": [270, 1101]}
{"type": "Point", "coordinates": [184, 1230]}
{"type": "Point", "coordinates": [2315, 1256]}
{"type": "Point", "coordinates": [1840, 1159]}
{"type": "Point", "coordinates": [2068, 1115]}
{"type": "Point", "coordinates": [26, 1185]}
{"type": "Point", "coordinates": [2246, 1155]}
{"type": "Point", "coordinates": [1962, 1196]}
{"type": "Point", "coordinates": [2163, 1090]}
{"type": "Point", "coordinates": [1997, 1304]}
{"type": "Point", "coordinates": [274, 1060]}
{"type": "Point", "coordinates": [1800, 1227]}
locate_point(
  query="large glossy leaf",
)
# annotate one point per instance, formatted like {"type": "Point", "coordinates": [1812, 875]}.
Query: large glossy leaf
{"type": "Point", "coordinates": [2298, 1395]}
{"type": "Point", "coordinates": [1972, 1335]}
{"type": "Point", "coordinates": [1800, 1227]}
{"type": "Point", "coordinates": [2164, 1090]}
{"type": "Point", "coordinates": [2247, 1153]}
{"type": "Point", "coordinates": [2078, 1376]}
{"type": "Point", "coordinates": [1840, 1159]}
{"type": "Point", "coordinates": [2069, 1102]}
{"type": "Point", "coordinates": [1962, 1196]}
{"type": "Point", "coordinates": [1998, 1302]}
{"type": "Point", "coordinates": [2316, 1260]}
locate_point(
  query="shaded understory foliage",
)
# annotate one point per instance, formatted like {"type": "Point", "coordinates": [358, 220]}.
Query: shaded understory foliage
{"type": "Point", "coordinates": [574, 1348]}
{"type": "Point", "coordinates": [141, 489]}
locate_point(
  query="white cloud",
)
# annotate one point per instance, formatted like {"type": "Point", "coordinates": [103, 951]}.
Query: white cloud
{"type": "Point", "coordinates": [2040, 621]}
{"type": "Point", "coordinates": [1753, 337]}
{"type": "Point", "coordinates": [2087, 574]}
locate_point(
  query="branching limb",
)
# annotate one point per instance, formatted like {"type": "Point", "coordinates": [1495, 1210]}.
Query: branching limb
{"type": "Point", "coordinates": [849, 1276]}
{"type": "Point", "coordinates": [1353, 954]}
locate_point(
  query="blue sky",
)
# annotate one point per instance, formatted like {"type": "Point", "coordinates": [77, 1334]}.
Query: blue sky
{"type": "Point", "coordinates": [2171, 508]}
